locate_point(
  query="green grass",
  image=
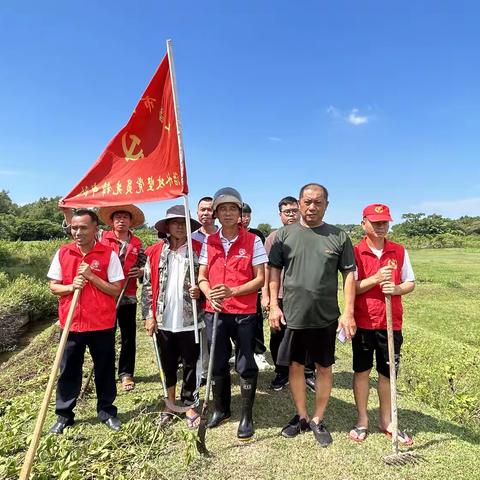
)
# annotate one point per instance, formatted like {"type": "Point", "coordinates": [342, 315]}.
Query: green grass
{"type": "Point", "coordinates": [446, 300]}
{"type": "Point", "coordinates": [439, 382]}
{"type": "Point", "coordinates": [29, 258]}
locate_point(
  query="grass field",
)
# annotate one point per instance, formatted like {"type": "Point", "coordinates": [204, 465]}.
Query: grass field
{"type": "Point", "coordinates": [439, 404]}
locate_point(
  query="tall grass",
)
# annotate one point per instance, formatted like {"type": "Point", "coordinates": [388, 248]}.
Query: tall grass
{"type": "Point", "coordinates": [24, 290]}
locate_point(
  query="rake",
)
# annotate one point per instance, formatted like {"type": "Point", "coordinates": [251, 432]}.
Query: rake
{"type": "Point", "coordinates": [397, 457]}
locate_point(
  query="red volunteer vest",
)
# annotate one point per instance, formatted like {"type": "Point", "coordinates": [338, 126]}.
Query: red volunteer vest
{"type": "Point", "coordinates": [154, 252]}
{"type": "Point", "coordinates": [131, 255]}
{"type": "Point", "coordinates": [236, 269]}
{"type": "Point", "coordinates": [95, 310]}
{"type": "Point", "coordinates": [370, 306]}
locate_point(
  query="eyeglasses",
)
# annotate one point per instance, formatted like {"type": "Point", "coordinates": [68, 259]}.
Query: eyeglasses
{"type": "Point", "coordinates": [290, 212]}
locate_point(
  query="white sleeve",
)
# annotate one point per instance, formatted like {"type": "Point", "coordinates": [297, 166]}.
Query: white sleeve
{"type": "Point", "coordinates": [407, 274]}
{"type": "Point", "coordinates": [203, 258]}
{"type": "Point", "coordinates": [115, 271]}
{"type": "Point", "coordinates": [259, 253]}
{"type": "Point", "coordinates": [55, 270]}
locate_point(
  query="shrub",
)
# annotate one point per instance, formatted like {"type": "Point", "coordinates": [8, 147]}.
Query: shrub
{"type": "Point", "coordinates": [445, 240]}
{"type": "Point", "coordinates": [38, 230]}
{"type": "Point", "coordinates": [148, 236]}
{"type": "Point", "coordinates": [28, 296]}
{"type": "Point", "coordinates": [8, 226]}
{"type": "Point", "coordinates": [31, 258]}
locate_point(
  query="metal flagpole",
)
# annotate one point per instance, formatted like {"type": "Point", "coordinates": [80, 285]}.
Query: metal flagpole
{"type": "Point", "coordinates": [182, 172]}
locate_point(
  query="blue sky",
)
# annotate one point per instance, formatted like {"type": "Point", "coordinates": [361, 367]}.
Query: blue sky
{"type": "Point", "coordinates": [379, 101]}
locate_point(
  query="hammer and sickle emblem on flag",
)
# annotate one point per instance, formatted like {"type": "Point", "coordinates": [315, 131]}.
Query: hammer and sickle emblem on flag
{"type": "Point", "coordinates": [379, 209]}
{"type": "Point", "coordinates": [392, 262]}
{"type": "Point", "coordinates": [128, 151]}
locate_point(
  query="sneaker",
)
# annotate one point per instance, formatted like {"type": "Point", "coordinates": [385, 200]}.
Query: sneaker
{"type": "Point", "coordinates": [295, 426]}
{"type": "Point", "coordinates": [279, 382]}
{"type": "Point", "coordinates": [321, 433]}
{"type": "Point", "coordinates": [261, 362]}
{"type": "Point", "coordinates": [310, 382]}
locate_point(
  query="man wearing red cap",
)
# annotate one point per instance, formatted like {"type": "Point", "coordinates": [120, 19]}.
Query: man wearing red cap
{"type": "Point", "coordinates": [383, 268]}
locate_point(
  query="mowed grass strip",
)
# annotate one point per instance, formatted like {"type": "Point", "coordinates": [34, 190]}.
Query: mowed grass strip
{"type": "Point", "coordinates": [449, 450]}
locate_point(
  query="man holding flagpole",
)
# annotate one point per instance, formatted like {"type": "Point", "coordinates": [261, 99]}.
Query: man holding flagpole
{"type": "Point", "coordinates": [144, 162]}
{"type": "Point", "coordinates": [167, 309]}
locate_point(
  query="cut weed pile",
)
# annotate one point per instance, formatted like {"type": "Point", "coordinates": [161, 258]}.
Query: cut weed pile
{"type": "Point", "coordinates": [449, 449]}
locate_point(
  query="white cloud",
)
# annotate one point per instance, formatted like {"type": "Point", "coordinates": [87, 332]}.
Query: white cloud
{"type": "Point", "coordinates": [10, 172]}
{"type": "Point", "coordinates": [274, 139]}
{"type": "Point", "coordinates": [334, 111]}
{"type": "Point", "coordinates": [353, 116]}
{"type": "Point", "coordinates": [451, 208]}
{"type": "Point", "coordinates": [355, 119]}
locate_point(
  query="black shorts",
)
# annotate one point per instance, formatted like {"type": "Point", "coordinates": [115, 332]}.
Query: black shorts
{"type": "Point", "coordinates": [367, 342]}
{"type": "Point", "coordinates": [310, 345]}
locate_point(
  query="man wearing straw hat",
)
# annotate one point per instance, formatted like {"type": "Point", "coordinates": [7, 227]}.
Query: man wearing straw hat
{"type": "Point", "coordinates": [122, 240]}
{"type": "Point", "coordinates": [231, 273]}
{"type": "Point", "coordinates": [95, 269]}
{"type": "Point", "coordinates": [168, 311]}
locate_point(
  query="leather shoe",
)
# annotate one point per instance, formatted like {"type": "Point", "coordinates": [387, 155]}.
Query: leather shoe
{"type": "Point", "coordinates": [113, 423]}
{"type": "Point", "coordinates": [60, 425]}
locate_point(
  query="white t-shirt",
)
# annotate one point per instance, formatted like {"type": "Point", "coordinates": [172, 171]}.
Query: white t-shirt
{"type": "Point", "coordinates": [406, 275]}
{"type": "Point", "coordinates": [114, 271]}
{"type": "Point", "coordinates": [173, 309]}
{"type": "Point", "coordinates": [259, 253]}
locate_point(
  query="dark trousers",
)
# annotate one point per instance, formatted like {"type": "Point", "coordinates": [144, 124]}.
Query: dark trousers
{"type": "Point", "coordinates": [126, 320]}
{"type": "Point", "coordinates": [175, 346]}
{"type": "Point", "coordinates": [276, 337]}
{"type": "Point", "coordinates": [101, 344]}
{"type": "Point", "coordinates": [241, 329]}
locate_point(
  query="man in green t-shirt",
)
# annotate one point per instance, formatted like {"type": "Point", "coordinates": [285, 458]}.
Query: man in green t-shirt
{"type": "Point", "coordinates": [311, 253]}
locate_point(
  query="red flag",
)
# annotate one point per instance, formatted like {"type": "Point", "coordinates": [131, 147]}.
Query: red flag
{"type": "Point", "coordinates": [142, 162]}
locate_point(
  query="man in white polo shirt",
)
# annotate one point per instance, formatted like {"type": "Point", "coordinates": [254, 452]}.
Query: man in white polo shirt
{"type": "Point", "coordinates": [94, 268]}
{"type": "Point", "coordinates": [231, 272]}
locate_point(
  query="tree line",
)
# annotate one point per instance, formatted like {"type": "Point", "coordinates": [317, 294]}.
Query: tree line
{"type": "Point", "coordinates": [42, 220]}
{"type": "Point", "coordinates": [39, 220]}
{"type": "Point", "coordinates": [414, 225]}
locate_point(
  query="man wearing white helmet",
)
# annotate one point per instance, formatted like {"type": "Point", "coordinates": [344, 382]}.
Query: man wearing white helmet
{"type": "Point", "coordinates": [232, 270]}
